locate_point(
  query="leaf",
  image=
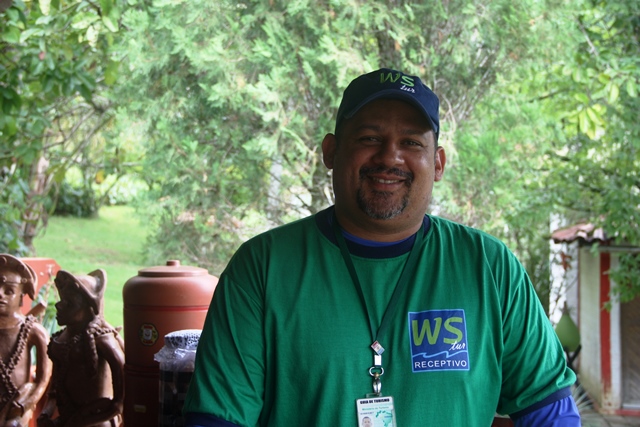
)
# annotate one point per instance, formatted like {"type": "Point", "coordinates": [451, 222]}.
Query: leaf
{"type": "Point", "coordinates": [85, 92]}
{"type": "Point", "coordinates": [632, 88]}
{"type": "Point", "coordinates": [13, 15]}
{"type": "Point", "coordinates": [110, 24]}
{"type": "Point", "coordinates": [86, 80]}
{"type": "Point", "coordinates": [30, 32]}
{"type": "Point", "coordinates": [582, 98]}
{"type": "Point", "coordinates": [106, 6]}
{"type": "Point", "coordinates": [45, 6]}
{"type": "Point", "coordinates": [577, 75]}
{"type": "Point", "coordinates": [11, 35]}
{"type": "Point", "coordinates": [44, 20]}
{"type": "Point", "coordinates": [10, 125]}
{"type": "Point", "coordinates": [59, 174]}
{"type": "Point", "coordinates": [111, 73]}
{"type": "Point", "coordinates": [48, 60]}
{"type": "Point", "coordinates": [583, 121]}
{"type": "Point", "coordinates": [8, 93]}
{"type": "Point", "coordinates": [614, 92]}
{"type": "Point", "coordinates": [593, 116]}
{"type": "Point", "coordinates": [49, 81]}
{"type": "Point", "coordinates": [84, 21]}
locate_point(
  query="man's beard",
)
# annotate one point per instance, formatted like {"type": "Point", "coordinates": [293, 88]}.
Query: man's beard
{"type": "Point", "coordinates": [379, 204]}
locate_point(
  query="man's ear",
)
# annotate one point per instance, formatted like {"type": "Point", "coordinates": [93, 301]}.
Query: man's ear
{"type": "Point", "coordinates": [440, 162]}
{"type": "Point", "coordinates": [329, 144]}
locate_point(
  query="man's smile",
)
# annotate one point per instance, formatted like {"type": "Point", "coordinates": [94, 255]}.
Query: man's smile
{"type": "Point", "coordinates": [386, 176]}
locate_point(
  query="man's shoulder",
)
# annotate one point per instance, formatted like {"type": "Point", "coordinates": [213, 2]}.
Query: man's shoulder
{"type": "Point", "coordinates": [277, 246]}
{"type": "Point", "coordinates": [464, 237]}
{"type": "Point", "coordinates": [283, 237]}
{"type": "Point", "coordinates": [302, 225]}
{"type": "Point", "coordinates": [456, 229]}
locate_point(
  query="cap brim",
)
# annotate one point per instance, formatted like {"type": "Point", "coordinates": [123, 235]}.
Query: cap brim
{"type": "Point", "coordinates": [392, 94]}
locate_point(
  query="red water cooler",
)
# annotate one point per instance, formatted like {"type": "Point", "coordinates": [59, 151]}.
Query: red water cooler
{"type": "Point", "coordinates": [157, 301]}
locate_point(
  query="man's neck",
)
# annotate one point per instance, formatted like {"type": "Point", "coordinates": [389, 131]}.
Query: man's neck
{"type": "Point", "coordinates": [371, 243]}
{"type": "Point", "coordinates": [378, 230]}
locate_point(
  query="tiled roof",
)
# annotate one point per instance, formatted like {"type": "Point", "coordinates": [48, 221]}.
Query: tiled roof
{"type": "Point", "coordinates": [586, 233]}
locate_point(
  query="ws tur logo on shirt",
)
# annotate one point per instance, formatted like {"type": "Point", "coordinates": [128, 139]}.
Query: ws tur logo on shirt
{"type": "Point", "coordinates": [438, 341]}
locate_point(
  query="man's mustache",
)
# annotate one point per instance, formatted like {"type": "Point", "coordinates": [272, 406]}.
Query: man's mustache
{"type": "Point", "coordinates": [407, 176]}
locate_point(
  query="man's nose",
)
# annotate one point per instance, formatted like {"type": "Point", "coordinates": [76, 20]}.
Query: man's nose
{"type": "Point", "coordinates": [389, 154]}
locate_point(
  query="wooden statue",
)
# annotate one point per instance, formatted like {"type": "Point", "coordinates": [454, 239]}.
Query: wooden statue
{"type": "Point", "coordinates": [87, 386]}
{"type": "Point", "coordinates": [20, 390]}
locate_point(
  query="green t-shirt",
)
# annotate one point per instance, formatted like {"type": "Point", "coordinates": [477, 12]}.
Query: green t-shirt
{"type": "Point", "coordinates": [287, 340]}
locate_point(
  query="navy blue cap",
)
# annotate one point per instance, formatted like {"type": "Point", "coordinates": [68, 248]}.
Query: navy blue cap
{"type": "Point", "coordinates": [390, 84]}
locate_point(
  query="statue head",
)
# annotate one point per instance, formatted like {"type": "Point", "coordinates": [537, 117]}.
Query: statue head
{"type": "Point", "coordinates": [91, 286]}
{"type": "Point", "coordinates": [16, 271]}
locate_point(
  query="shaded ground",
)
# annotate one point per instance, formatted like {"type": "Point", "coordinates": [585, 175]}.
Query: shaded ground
{"type": "Point", "coordinates": [593, 419]}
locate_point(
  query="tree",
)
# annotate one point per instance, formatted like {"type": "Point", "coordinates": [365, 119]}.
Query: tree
{"type": "Point", "coordinates": [54, 68]}
{"type": "Point", "coordinates": [496, 162]}
{"type": "Point", "coordinates": [594, 167]}
{"type": "Point", "coordinates": [235, 98]}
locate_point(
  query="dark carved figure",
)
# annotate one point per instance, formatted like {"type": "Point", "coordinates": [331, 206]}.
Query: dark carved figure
{"type": "Point", "coordinates": [20, 389]}
{"type": "Point", "coordinates": [87, 387]}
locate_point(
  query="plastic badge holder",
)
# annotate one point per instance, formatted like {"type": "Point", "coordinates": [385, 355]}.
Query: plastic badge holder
{"type": "Point", "coordinates": [177, 360]}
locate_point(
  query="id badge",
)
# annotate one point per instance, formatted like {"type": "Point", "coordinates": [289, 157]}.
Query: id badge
{"type": "Point", "coordinates": [376, 412]}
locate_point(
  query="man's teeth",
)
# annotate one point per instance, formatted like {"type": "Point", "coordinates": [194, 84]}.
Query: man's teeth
{"type": "Point", "coordinates": [386, 181]}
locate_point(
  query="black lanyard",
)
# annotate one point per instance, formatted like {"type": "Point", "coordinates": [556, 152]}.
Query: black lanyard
{"type": "Point", "coordinates": [392, 307]}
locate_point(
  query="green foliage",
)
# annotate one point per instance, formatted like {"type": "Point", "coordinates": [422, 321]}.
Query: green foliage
{"type": "Point", "coordinates": [235, 98]}
{"type": "Point", "coordinates": [55, 66]}
{"type": "Point", "coordinates": [76, 202]}
{"type": "Point", "coordinates": [594, 170]}
{"type": "Point", "coordinates": [220, 107]}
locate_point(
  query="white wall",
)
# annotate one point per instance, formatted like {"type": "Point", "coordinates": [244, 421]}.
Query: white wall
{"type": "Point", "coordinates": [589, 323]}
{"type": "Point", "coordinates": [614, 398]}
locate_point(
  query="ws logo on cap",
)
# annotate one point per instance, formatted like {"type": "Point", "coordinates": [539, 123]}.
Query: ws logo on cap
{"type": "Point", "coordinates": [438, 341]}
{"type": "Point", "coordinates": [405, 80]}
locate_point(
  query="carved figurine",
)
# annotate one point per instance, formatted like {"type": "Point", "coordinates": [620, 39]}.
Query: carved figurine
{"type": "Point", "coordinates": [20, 390]}
{"type": "Point", "coordinates": [87, 386]}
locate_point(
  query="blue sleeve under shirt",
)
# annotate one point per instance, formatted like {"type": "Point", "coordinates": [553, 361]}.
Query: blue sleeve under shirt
{"type": "Point", "coordinates": [561, 413]}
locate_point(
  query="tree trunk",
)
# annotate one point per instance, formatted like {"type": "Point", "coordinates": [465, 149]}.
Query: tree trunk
{"type": "Point", "coordinates": [35, 211]}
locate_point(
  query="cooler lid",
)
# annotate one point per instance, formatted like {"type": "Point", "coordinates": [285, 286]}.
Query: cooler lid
{"type": "Point", "coordinates": [172, 269]}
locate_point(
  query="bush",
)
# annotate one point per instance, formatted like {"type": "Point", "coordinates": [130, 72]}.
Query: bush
{"type": "Point", "coordinates": [77, 202]}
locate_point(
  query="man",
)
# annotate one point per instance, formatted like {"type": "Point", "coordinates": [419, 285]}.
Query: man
{"type": "Point", "coordinates": [372, 307]}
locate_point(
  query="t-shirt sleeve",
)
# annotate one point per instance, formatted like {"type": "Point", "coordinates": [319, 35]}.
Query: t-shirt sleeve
{"type": "Point", "coordinates": [228, 380]}
{"type": "Point", "coordinates": [559, 413]}
{"type": "Point", "coordinates": [533, 364]}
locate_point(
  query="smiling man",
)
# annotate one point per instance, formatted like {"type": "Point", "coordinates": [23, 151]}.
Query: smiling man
{"type": "Point", "coordinates": [373, 309]}
{"type": "Point", "coordinates": [385, 161]}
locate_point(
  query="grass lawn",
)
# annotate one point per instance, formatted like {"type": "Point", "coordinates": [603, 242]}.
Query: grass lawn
{"type": "Point", "coordinates": [113, 242]}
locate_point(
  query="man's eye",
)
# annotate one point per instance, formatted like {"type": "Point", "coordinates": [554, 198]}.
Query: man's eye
{"type": "Point", "coordinates": [414, 143]}
{"type": "Point", "coordinates": [369, 140]}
